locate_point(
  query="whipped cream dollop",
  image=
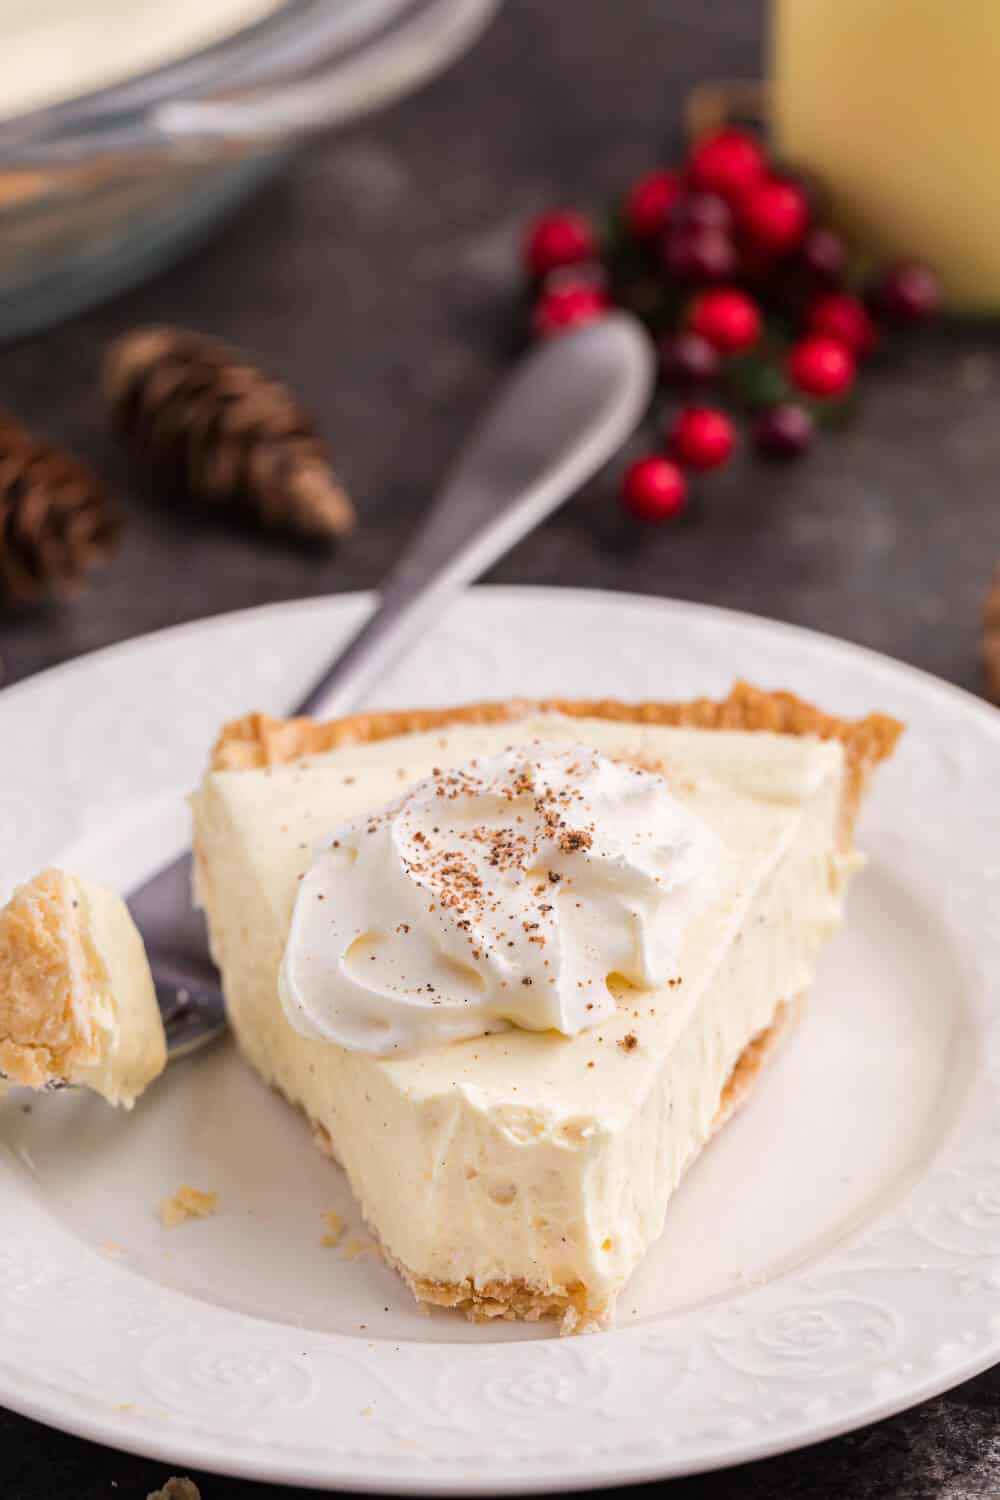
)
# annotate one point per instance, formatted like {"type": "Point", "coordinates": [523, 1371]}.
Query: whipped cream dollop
{"type": "Point", "coordinates": [502, 893]}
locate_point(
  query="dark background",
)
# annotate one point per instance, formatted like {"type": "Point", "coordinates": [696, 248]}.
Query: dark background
{"type": "Point", "coordinates": [378, 276]}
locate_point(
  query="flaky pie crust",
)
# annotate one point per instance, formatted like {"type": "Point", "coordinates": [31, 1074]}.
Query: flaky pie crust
{"type": "Point", "coordinates": [43, 961]}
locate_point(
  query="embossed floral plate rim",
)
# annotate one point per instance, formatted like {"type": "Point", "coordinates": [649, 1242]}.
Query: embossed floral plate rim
{"type": "Point", "coordinates": [903, 1311]}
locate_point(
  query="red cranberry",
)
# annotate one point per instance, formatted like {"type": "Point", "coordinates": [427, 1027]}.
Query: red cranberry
{"type": "Point", "coordinates": [727, 318]}
{"type": "Point", "coordinates": [728, 161]}
{"type": "Point", "coordinates": [821, 366]}
{"type": "Point", "coordinates": [569, 306]}
{"type": "Point", "coordinates": [775, 215]}
{"type": "Point", "coordinates": [702, 437]}
{"type": "Point", "coordinates": [558, 239]}
{"type": "Point", "coordinates": [649, 201]}
{"type": "Point", "coordinates": [654, 489]}
{"type": "Point", "coordinates": [845, 318]}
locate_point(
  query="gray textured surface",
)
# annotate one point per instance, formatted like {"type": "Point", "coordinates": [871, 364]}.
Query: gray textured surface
{"type": "Point", "coordinates": [377, 276]}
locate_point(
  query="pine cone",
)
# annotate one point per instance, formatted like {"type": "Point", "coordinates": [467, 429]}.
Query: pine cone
{"type": "Point", "coordinates": [220, 431]}
{"type": "Point", "coordinates": [991, 639]}
{"type": "Point", "coordinates": [56, 518]}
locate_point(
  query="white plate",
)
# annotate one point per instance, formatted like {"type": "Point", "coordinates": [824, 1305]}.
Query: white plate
{"type": "Point", "coordinates": [835, 1256]}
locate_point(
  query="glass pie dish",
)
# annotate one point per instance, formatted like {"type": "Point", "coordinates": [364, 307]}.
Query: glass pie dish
{"type": "Point", "coordinates": [100, 191]}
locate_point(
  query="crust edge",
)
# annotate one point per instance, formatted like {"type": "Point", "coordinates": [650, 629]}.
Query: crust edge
{"type": "Point", "coordinates": [256, 740]}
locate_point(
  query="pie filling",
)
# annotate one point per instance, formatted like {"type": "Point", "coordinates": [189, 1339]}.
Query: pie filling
{"type": "Point", "coordinates": [524, 1173]}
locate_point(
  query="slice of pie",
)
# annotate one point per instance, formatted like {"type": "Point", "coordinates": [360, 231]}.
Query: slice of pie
{"type": "Point", "coordinates": [524, 1173]}
{"type": "Point", "coordinates": [77, 1002]}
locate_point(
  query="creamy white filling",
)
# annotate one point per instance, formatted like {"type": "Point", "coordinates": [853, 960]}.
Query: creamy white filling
{"type": "Point", "coordinates": [124, 1008]}
{"type": "Point", "coordinates": [507, 891]}
{"type": "Point", "coordinates": [529, 1157]}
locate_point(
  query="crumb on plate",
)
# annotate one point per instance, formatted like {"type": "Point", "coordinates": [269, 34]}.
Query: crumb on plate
{"type": "Point", "coordinates": [335, 1226]}
{"type": "Point", "coordinates": [356, 1249]}
{"type": "Point", "coordinates": [186, 1203]}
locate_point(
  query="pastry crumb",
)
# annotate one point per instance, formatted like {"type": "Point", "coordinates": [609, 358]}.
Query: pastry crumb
{"type": "Point", "coordinates": [572, 1322]}
{"type": "Point", "coordinates": [113, 1250]}
{"type": "Point", "coordinates": [335, 1226]}
{"type": "Point", "coordinates": [357, 1249]}
{"type": "Point", "coordinates": [177, 1489]}
{"type": "Point", "coordinates": [186, 1203]}
{"type": "Point", "coordinates": [629, 1042]}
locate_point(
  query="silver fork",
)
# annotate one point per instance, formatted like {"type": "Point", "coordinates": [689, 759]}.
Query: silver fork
{"type": "Point", "coordinates": [563, 412]}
